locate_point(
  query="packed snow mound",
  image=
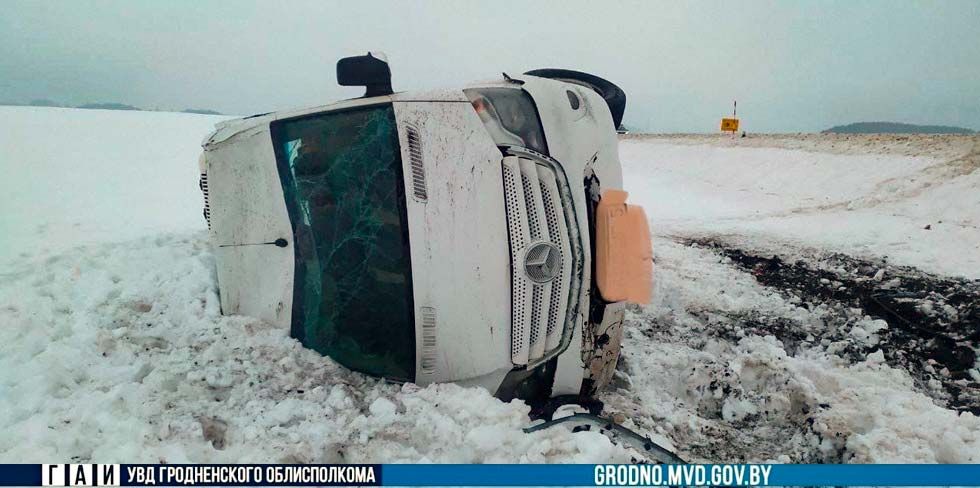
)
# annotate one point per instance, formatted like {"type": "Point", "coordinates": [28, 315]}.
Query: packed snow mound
{"type": "Point", "coordinates": [921, 210]}
{"type": "Point", "coordinates": [113, 348]}
{"type": "Point", "coordinates": [118, 352]}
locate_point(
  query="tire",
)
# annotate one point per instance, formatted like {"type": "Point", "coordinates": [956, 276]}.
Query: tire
{"type": "Point", "coordinates": [614, 96]}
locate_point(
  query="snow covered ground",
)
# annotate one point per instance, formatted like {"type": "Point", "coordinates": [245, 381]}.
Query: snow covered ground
{"type": "Point", "coordinates": [706, 365]}
{"type": "Point", "coordinates": [112, 347]}
{"type": "Point", "coordinates": [859, 202]}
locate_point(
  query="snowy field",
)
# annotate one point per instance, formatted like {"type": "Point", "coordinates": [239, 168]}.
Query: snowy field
{"type": "Point", "coordinates": [859, 195]}
{"type": "Point", "coordinates": [798, 371]}
{"type": "Point", "coordinates": [112, 347]}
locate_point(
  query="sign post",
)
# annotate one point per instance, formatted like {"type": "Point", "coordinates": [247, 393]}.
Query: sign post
{"type": "Point", "coordinates": [731, 124]}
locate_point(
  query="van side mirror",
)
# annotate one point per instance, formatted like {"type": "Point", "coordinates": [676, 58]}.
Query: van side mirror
{"type": "Point", "coordinates": [370, 71]}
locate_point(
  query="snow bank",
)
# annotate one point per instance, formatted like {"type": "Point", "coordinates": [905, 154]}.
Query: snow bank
{"type": "Point", "coordinates": [861, 204]}
{"type": "Point", "coordinates": [112, 347]}
{"type": "Point", "coordinates": [118, 352]}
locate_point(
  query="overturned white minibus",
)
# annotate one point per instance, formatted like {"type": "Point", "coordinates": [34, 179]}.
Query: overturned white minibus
{"type": "Point", "coordinates": [475, 235]}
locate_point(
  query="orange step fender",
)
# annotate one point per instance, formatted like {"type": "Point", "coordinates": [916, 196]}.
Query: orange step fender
{"type": "Point", "coordinates": [624, 252]}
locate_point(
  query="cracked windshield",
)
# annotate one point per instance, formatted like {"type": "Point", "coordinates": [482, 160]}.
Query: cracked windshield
{"type": "Point", "coordinates": [342, 180]}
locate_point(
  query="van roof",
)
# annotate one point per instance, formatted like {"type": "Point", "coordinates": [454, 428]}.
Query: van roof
{"type": "Point", "coordinates": [226, 129]}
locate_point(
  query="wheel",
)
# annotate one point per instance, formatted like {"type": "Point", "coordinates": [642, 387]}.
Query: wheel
{"type": "Point", "coordinates": [613, 95]}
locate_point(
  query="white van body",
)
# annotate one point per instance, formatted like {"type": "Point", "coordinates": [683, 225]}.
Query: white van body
{"type": "Point", "coordinates": [474, 208]}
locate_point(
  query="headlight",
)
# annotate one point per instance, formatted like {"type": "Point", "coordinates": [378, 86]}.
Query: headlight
{"type": "Point", "coordinates": [510, 117]}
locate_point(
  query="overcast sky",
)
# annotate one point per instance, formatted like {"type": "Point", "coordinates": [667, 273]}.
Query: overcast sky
{"type": "Point", "coordinates": [792, 65]}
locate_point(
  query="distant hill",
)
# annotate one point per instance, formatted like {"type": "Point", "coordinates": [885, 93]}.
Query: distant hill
{"type": "Point", "coordinates": [895, 128]}
{"type": "Point", "coordinates": [44, 102]}
{"type": "Point", "coordinates": [109, 106]}
{"type": "Point", "coordinates": [202, 111]}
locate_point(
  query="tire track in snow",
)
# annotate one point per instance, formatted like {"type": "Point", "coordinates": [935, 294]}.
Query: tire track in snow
{"type": "Point", "coordinates": [727, 369]}
{"type": "Point", "coordinates": [925, 324]}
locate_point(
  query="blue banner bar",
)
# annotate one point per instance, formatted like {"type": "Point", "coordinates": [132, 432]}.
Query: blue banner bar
{"type": "Point", "coordinates": [691, 475]}
{"type": "Point", "coordinates": [20, 475]}
{"type": "Point", "coordinates": [876, 474]}
{"type": "Point", "coordinates": [489, 475]}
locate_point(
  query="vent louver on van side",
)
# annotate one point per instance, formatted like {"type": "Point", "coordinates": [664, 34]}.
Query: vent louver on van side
{"type": "Point", "coordinates": [203, 183]}
{"type": "Point", "coordinates": [416, 163]}
{"type": "Point", "coordinates": [429, 348]}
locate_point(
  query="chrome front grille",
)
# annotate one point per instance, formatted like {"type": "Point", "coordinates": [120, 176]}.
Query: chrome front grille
{"type": "Point", "coordinates": [535, 215]}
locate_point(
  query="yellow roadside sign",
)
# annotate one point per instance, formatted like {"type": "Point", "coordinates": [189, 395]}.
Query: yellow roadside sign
{"type": "Point", "coordinates": [729, 124]}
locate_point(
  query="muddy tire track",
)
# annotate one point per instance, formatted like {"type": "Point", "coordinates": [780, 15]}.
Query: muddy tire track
{"type": "Point", "coordinates": [933, 323]}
